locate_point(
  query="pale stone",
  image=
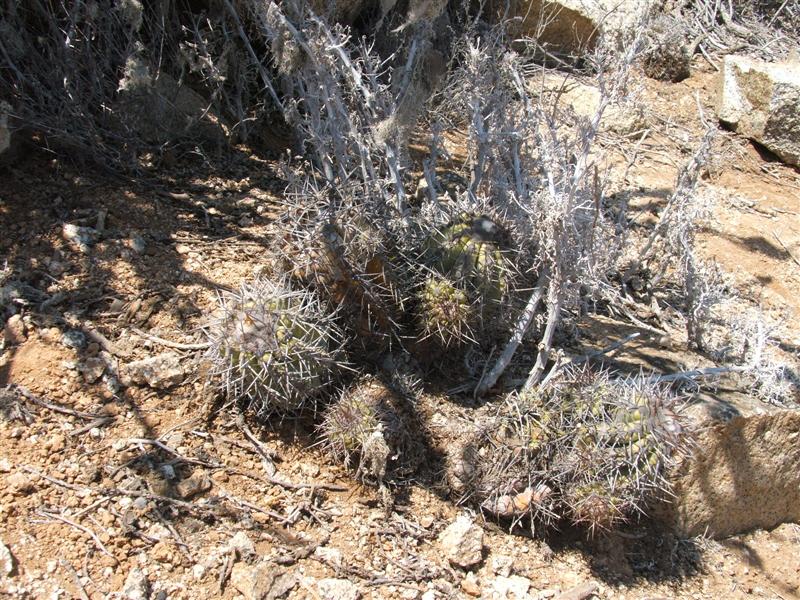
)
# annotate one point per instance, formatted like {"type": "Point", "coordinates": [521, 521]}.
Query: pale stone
{"type": "Point", "coordinates": [462, 542]}
{"type": "Point", "coordinates": [572, 26]}
{"type": "Point", "coordinates": [337, 589]}
{"type": "Point", "coordinates": [160, 372]}
{"type": "Point", "coordinates": [136, 586]}
{"type": "Point", "coordinates": [14, 330]}
{"type": "Point", "coordinates": [511, 588]}
{"type": "Point", "coordinates": [263, 581]}
{"type": "Point", "coordinates": [762, 102]}
{"type": "Point", "coordinates": [6, 561]}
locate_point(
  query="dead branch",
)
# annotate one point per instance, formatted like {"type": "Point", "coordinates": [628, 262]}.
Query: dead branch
{"type": "Point", "coordinates": [168, 343]}
{"type": "Point", "coordinates": [78, 526]}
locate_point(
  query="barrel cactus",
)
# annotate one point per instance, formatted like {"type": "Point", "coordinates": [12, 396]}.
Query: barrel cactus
{"type": "Point", "coordinates": [470, 251]}
{"type": "Point", "coordinates": [273, 347]}
{"type": "Point", "coordinates": [362, 429]}
{"type": "Point", "coordinates": [345, 260]}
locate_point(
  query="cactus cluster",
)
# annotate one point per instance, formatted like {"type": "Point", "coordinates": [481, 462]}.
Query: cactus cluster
{"type": "Point", "coordinates": [589, 449]}
{"type": "Point", "coordinates": [470, 251]}
{"type": "Point", "coordinates": [586, 449]}
{"type": "Point", "coordinates": [273, 346]}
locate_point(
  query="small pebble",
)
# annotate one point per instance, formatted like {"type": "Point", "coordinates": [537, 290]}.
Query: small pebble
{"type": "Point", "coordinates": [73, 339]}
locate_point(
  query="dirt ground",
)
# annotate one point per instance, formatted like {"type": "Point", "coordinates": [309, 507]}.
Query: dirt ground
{"type": "Point", "coordinates": [100, 480]}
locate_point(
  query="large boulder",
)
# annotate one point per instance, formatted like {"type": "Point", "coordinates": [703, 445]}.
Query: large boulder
{"type": "Point", "coordinates": [580, 102]}
{"type": "Point", "coordinates": [571, 26]}
{"type": "Point", "coordinates": [762, 102]}
{"type": "Point", "coordinates": [744, 474]}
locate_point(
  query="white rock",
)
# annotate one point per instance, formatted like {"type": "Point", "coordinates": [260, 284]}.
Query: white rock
{"type": "Point", "coordinates": [243, 545]}
{"type": "Point", "coordinates": [6, 561]}
{"type": "Point", "coordinates": [158, 532]}
{"type": "Point", "coordinates": [331, 556]}
{"type": "Point", "coordinates": [136, 586]}
{"type": "Point", "coordinates": [160, 372]}
{"type": "Point", "coordinates": [198, 572]}
{"type": "Point", "coordinates": [574, 26]}
{"type": "Point", "coordinates": [82, 238]}
{"type": "Point", "coordinates": [511, 588]}
{"type": "Point", "coordinates": [501, 565]}
{"type": "Point", "coordinates": [462, 542]}
{"type": "Point", "coordinates": [762, 101]}
{"type": "Point", "coordinates": [337, 589]}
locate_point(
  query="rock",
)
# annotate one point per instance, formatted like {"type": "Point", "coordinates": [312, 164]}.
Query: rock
{"type": "Point", "coordinates": [762, 102]}
{"type": "Point", "coordinates": [667, 56]}
{"type": "Point", "coordinates": [6, 561]}
{"type": "Point", "coordinates": [264, 581]}
{"type": "Point", "coordinates": [501, 565]}
{"type": "Point", "coordinates": [511, 588]}
{"type": "Point", "coordinates": [197, 483]}
{"type": "Point", "coordinates": [242, 545]}
{"type": "Point", "coordinates": [14, 330]}
{"type": "Point", "coordinates": [744, 474]}
{"type": "Point", "coordinates": [579, 592]}
{"type": "Point", "coordinates": [160, 372]}
{"type": "Point", "coordinates": [138, 244]}
{"type": "Point", "coordinates": [462, 542]}
{"type": "Point", "coordinates": [470, 585]}
{"type": "Point", "coordinates": [92, 369]}
{"type": "Point", "coordinates": [159, 109]}
{"type": "Point", "coordinates": [585, 100]}
{"type": "Point", "coordinates": [163, 551]}
{"type": "Point", "coordinates": [337, 589]}
{"type": "Point", "coordinates": [198, 572]}
{"type": "Point", "coordinates": [82, 238]}
{"type": "Point", "coordinates": [55, 443]}
{"type": "Point", "coordinates": [74, 339]}
{"type": "Point", "coordinates": [136, 587]}
{"type": "Point", "coordinates": [20, 483]}
{"type": "Point", "coordinates": [330, 556]}
{"type": "Point", "coordinates": [5, 465]}
{"type": "Point", "coordinates": [580, 102]}
{"type": "Point", "coordinates": [571, 26]}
